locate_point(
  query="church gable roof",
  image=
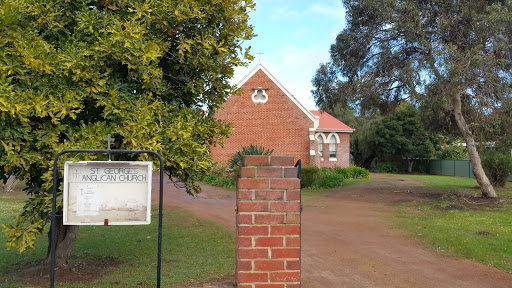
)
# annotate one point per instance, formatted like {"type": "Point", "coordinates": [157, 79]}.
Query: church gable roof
{"type": "Point", "coordinates": [329, 123]}
{"type": "Point", "coordinates": [259, 67]}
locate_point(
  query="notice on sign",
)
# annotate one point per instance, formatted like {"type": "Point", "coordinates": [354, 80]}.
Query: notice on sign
{"type": "Point", "coordinates": [107, 193]}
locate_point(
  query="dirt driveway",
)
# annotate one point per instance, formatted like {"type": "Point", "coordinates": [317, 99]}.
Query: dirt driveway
{"type": "Point", "coordinates": [348, 239]}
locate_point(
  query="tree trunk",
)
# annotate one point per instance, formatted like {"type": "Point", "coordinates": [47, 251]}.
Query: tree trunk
{"type": "Point", "coordinates": [65, 236]}
{"type": "Point", "coordinates": [478, 171]}
{"type": "Point", "coordinates": [409, 165]}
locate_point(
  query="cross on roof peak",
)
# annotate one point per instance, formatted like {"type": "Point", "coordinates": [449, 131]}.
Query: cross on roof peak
{"type": "Point", "coordinates": [260, 53]}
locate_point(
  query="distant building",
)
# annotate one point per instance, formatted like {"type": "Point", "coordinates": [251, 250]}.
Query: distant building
{"type": "Point", "coordinates": [267, 115]}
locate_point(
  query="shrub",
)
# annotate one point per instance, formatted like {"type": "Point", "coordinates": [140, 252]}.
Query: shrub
{"type": "Point", "coordinates": [236, 159]}
{"type": "Point", "coordinates": [219, 176]}
{"type": "Point", "coordinates": [308, 176]}
{"type": "Point", "coordinates": [498, 166]}
{"type": "Point", "coordinates": [221, 181]}
{"type": "Point", "coordinates": [345, 172]}
{"type": "Point", "coordinates": [421, 165]}
{"type": "Point", "coordinates": [387, 167]}
{"type": "Point", "coordinates": [453, 152]}
{"type": "Point", "coordinates": [219, 169]}
{"type": "Point", "coordinates": [359, 172]}
{"type": "Point", "coordinates": [328, 179]}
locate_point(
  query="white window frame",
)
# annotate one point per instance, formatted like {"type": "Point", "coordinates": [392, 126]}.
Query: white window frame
{"type": "Point", "coordinates": [318, 137]}
{"type": "Point", "coordinates": [333, 136]}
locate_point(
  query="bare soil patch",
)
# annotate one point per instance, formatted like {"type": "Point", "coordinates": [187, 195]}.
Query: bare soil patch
{"type": "Point", "coordinates": [83, 271]}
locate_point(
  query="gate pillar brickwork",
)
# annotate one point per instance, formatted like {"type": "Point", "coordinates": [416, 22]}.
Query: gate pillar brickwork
{"type": "Point", "coordinates": [268, 223]}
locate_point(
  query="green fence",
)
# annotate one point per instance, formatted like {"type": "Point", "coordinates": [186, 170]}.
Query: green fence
{"type": "Point", "coordinates": [459, 168]}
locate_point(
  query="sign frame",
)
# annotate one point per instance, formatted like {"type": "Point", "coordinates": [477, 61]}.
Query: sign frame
{"type": "Point", "coordinates": [101, 200]}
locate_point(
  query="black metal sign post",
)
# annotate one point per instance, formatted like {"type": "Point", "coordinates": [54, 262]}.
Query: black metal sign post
{"type": "Point", "coordinates": [109, 152]}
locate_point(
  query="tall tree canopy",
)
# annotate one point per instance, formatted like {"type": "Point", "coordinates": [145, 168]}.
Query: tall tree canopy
{"type": "Point", "coordinates": [454, 55]}
{"type": "Point", "coordinates": [401, 133]}
{"type": "Point", "coordinates": [74, 71]}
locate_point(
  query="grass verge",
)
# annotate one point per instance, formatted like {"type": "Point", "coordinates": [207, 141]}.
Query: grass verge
{"type": "Point", "coordinates": [481, 231]}
{"type": "Point", "coordinates": [194, 251]}
{"type": "Point", "coordinates": [453, 184]}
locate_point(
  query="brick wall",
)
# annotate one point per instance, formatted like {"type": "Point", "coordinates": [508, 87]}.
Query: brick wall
{"type": "Point", "coordinates": [278, 124]}
{"type": "Point", "coordinates": [268, 223]}
{"type": "Point", "coordinates": [342, 153]}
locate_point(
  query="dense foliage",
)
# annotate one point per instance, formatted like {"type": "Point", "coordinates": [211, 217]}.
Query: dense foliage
{"type": "Point", "coordinates": [453, 57]}
{"type": "Point", "coordinates": [498, 166]}
{"type": "Point", "coordinates": [221, 176]}
{"type": "Point", "coordinates": [387, 167]}
{"type": "Point", "coordinates": [402, 134]}
{"type": "Point", "coordinates": [327, 179]}
{"type": "Point", "coordinates": [453, 152]}
{"type": "Point", "coordinates": [74, 71]}
{"type": "Point", "coordinates": [309, 174]}
{"type": "Point", "coordinates": [314, 177]}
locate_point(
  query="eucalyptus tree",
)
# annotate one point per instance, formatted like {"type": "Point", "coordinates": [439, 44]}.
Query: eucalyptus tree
{"type": "Point", "coordinates": [455, 54]}
{"type": "Point", "coordinates": [74, 71]}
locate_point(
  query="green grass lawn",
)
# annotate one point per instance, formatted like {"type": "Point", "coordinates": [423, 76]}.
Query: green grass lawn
{"type": "Point", "coordinates": [194, 250]}
{"type": "Point", "coordinates": [480, 232]}
{"type": "Point", "coordinates": [453, 184]}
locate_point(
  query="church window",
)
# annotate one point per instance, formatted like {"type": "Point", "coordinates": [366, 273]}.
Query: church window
{"type": "Point", "coordinates": [321, 146]}
{"type": "Point", "coordinates": [332, 147]}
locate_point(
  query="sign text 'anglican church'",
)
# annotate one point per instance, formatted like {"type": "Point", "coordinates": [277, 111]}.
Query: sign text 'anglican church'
{"type": "Point", "coordinates": [107, 193]}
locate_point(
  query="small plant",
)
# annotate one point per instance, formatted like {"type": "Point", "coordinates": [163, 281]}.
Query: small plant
{"type": "Point", "coordinates": [359, 172]}
{"type": "Point", "coordinates": [236, 159]}
{"type": "Point", "coordinates": [308, 176]}
{"type": "Point", "coordinates": [498, 166]}
{"type": "Point", "coordinates": [219, 176]}
{"type": "Point", "coordinates": [387, 167]}
{"type": "Point", "coordinates": [328, 179]}
{"type": "Point", "coordinates": [345, 172]}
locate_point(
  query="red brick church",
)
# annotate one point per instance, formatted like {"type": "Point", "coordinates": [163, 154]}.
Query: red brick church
{"type": "Point", "coordinates": [268, 115]}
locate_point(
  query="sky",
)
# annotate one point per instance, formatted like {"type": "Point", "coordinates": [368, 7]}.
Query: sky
{"type": "Point", "coordinates": [294, 37]}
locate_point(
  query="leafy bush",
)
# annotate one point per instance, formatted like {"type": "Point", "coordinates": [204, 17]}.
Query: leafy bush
{"type": "Point", "coordinates": [454, 152]}
{"type": "Point", "coordinates": [345, 172]}
{"type": "Point", "coordinates": [328, 179]}
{"type": "Point", "coordinates": [220, 181]}
{"type": "Point", "coordinates": [359, 172]}
{"type": "Point", "coordinates": [236, 159]}
{"type": "Point", "coordinates": [219, 169]}
{"type": "Point", "coordinates": [498, 166]}
{"type": "Point", "coordinates": [219, 176]}
{"type": "Point", "coordinates": [308, 174]}
{"type": "Point", "coordinates": [387, 167]}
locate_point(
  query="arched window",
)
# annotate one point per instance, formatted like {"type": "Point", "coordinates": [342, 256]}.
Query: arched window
{"type": "Point", "coordinates": [321, 146]}
{"type": "Point", "coordinates": [332, 147]}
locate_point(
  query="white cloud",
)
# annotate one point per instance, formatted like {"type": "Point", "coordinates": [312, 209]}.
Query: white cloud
{"type": "Point", "coordinates": [333, 10]}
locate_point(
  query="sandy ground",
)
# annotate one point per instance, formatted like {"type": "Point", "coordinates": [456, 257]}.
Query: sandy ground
{"type": "Point", "coordinates": [348, 239]}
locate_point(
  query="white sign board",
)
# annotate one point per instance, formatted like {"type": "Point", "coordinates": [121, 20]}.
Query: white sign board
{"type": "Point", "coordinates": [107, 193]}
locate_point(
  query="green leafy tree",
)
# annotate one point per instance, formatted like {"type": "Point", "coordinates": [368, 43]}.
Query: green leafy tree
{"type": "Point", "coordinates": [402, 134]}
{"type": "Point", "coordinates": [74, 71]}
{"type": "Point", "coordinates": [453, 152]}
{"type": "Point", "coordinates": [498, 165]}
{"type": "Point", "coordinates": [453, 54]}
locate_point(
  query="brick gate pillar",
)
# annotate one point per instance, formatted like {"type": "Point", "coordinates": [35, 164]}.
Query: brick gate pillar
{"type": "Point", "coordinates": [268, 223]}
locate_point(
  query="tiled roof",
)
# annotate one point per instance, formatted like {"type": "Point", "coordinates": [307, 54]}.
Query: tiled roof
{"type": "Point", "coordinates": [327, 122]}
